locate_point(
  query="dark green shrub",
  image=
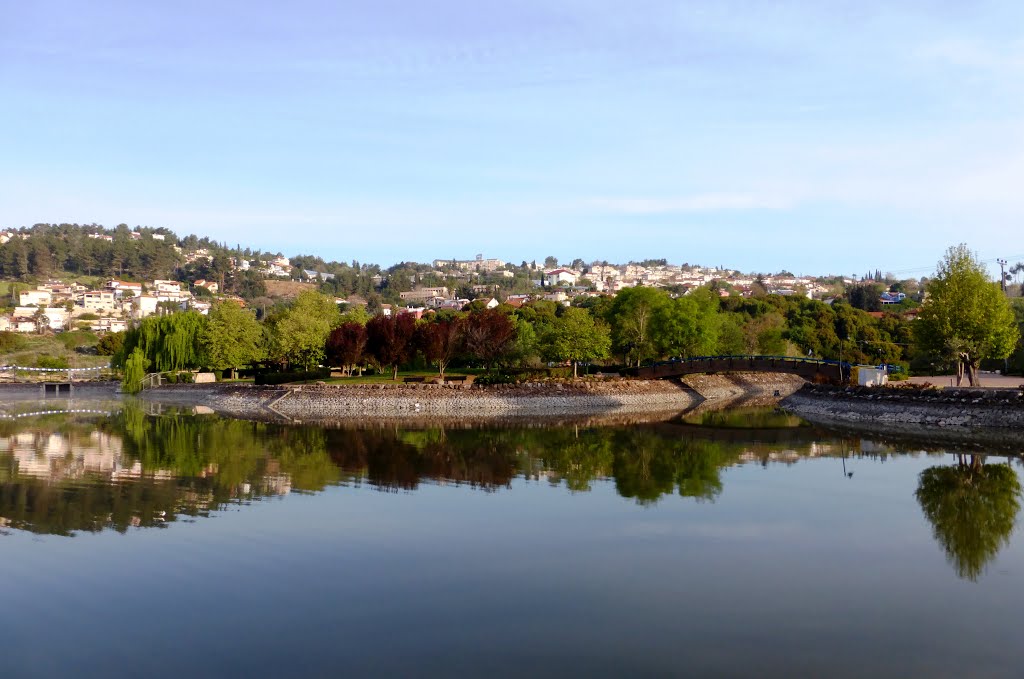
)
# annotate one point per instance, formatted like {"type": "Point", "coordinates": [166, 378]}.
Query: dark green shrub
{"type": "Point", "coordinates": [110, 343]}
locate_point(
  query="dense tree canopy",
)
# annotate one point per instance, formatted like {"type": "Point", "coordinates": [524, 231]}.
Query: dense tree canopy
{"type": "Point", "coordinates": [577, 337]}
{"type": "Point", "coordinates": [389, 340]}
{"type": "Point", "coordinates": [299, 333]}
{"type": "Point", "coordinates": [966, 317]}
{"type": "Point", "coordinates": [346, 345]}
{"type": "Point", "coordinates": [232, 338]}
{"type": "Point", "coordinates": [168, 343]}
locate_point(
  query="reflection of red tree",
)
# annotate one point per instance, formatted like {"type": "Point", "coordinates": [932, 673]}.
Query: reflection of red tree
{"type": "Point", "coordinates": [392, 464]}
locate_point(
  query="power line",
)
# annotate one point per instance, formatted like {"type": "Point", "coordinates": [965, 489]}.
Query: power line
{"type": "Point", "coordinates": [994, 260]}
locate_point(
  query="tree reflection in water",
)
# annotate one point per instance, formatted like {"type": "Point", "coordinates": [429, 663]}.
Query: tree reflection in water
{"type": "Point", "coordinates": [972, 507]}
{"type": "Point", "coordinates": [63, 474]}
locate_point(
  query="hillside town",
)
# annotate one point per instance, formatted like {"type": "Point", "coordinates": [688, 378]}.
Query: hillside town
{"type": "Point", "coordinates": [114, 304]}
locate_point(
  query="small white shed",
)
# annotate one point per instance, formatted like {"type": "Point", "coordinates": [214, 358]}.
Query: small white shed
{"type": "Point", "coordinates": [872, 377]}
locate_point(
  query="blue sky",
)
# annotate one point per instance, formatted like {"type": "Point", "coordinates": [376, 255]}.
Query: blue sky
{"type": "Point", "coordinates": [818, 136]}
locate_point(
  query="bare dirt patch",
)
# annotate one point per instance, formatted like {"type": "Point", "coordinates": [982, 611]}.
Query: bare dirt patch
{"type": "Point", "coordinates": [987, 380]}
{"type": "Point", "coordinates": [287, 289]}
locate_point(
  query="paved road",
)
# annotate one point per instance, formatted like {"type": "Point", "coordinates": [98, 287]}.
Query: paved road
{"type": "Point", "coordinates": [990, 380]}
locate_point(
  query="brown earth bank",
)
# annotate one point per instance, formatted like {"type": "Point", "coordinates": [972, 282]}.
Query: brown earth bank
{"type": "Point", "coordinates": [286, 289]}
{"type": "Point", "coordinates": [542, 401]}
{"type": "Point", "coordinates": [912, 411]}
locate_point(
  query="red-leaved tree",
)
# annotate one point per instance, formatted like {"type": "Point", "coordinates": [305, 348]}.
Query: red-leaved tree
{"type": "Point", "coordinates": [346, 346]}
{"type": "Point", "coordinates": [389, 340]}
{"type": "Point", "coordinates": [441, 341]}
{"type": "Point", "coordinates": [489, 336]}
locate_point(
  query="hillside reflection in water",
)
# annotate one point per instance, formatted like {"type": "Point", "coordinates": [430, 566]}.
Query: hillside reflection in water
{"type": "Point", "coordinates": [62, 473]}
{"type": "Point", "coordinates": [743, 543]}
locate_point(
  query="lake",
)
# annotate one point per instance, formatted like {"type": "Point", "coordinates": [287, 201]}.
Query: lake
{"type": "Point", "coordinates": [738, 543]}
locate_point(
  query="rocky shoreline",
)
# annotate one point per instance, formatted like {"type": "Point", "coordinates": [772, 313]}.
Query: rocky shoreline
{"type": "Point", "coordinates": [540, 400]}
{"type": "Point", "coordinates": [909, 408]}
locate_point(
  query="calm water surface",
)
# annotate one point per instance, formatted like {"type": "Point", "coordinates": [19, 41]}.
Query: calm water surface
{"type": "Point", "coordinates": [721, 544]}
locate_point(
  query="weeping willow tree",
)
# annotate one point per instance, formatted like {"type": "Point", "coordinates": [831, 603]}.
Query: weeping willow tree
{"type": "Point", "coordinates": [134, 371]}
{"type": "Point", "coordinates": [169, 343]}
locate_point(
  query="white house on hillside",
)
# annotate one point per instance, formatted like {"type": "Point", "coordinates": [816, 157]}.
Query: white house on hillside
{"type": "Point", "coordinates": [559, 276]}
{"type": "Point", "coordinates": [35, 298]}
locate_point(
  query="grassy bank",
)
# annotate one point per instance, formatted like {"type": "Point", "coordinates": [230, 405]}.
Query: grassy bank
{"type": "Point", "coordinates": [69, 349]}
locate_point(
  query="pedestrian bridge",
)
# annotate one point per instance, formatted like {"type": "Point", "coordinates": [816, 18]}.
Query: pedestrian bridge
{"type": "Point", "coordinates": [811, 369]}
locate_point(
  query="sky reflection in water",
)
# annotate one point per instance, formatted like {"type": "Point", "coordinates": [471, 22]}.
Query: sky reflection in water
{"type": "Point", "coordinates": [213, 547]}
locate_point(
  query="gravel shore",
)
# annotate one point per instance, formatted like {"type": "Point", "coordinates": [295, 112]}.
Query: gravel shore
{"type": "Point", "coordinates": [910, 408]}
{"type": "Point", "coordinates": [341, 402]}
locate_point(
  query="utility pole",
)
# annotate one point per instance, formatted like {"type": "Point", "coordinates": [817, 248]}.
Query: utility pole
{"type": "Point", "coordinates": [1002, 274]}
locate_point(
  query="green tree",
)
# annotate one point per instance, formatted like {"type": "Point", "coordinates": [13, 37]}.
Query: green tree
{"type": "Point", "coordinates": [169, 343]}
{"type": "Point", "coordinates": [355, 313]}
{"type": "Point", "coordinates": [972, 508]}
{"type": "Point", "coordinates": [575, 336]}
{"type": "Point", "coordinates": [299, 334]}
{"type": "Point", "coordinates": [232, 337]}
{"type": "Point", "coordinates": [134, 371]}
{"type": "Point", "coordinates": [632, 318]}
{"type": "Point", "coordinates": [965, 317]}
{"type": "Point", "coordinates": [110, 344]}
{"type": "Point", "coordinates": [688, 326]}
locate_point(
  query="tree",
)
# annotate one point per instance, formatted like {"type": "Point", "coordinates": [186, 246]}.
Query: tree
{"type": "Point", "coordinates": [965, 317]}
{"type": "Point", "coordinates": [631, 317]}
{"type": "Point", "coordinates": [15, 263]}
{"type": "Point", "coordinates": [688, 326]}
{"type": "Point", "coordinates": [972, 508]}
{"type": "Point", "coordinates": [110, 344]}
{"type": "Point", "coordinates": [346, 345]}
{"type": "Point", "coordinates": [389, 340]}
{"type": "Point", "coordinates": [551, 262]}
{"type": "Point", "coordinates": [866, 296]}
{"type": "Point", "coordinates": [134, 372]}
{"type": "Point", "coordinates": [526, 347]}
{"type": "Point", "coordinates": [575, 336]}
{"type": "Point", "coordinates": [441, 341]}
{"type": "Point", "coordinates": [168, 343]}
{"type": "Point", "coordinates": [41, 321]}
{"type": "Point", "coordinates": [40, 259]}
{"type": "Point", "coordinates": [489, 336]}
{"type": "Point", "coordinates": [300, 332]}
{"type": "Point", "coordinates": [355, 313]}
{"type": "Point", "coordinates": [232, 337]}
